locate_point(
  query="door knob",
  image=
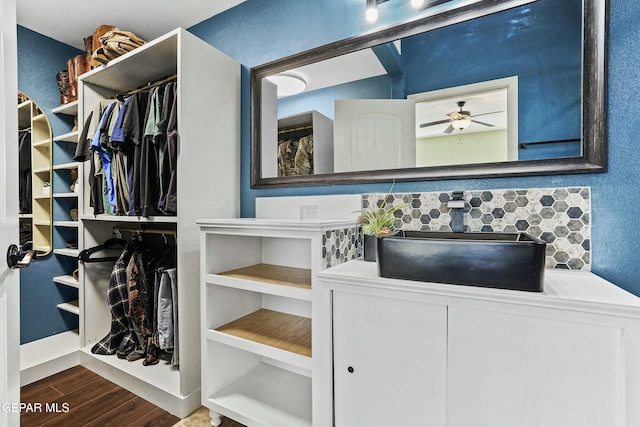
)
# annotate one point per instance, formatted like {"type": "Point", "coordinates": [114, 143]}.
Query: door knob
{"type": "Point", "coordinates": [20, 256]}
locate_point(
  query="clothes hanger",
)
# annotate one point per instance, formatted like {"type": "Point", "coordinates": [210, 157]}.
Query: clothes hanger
{"type": "Point", "coordinates": [112, 243]}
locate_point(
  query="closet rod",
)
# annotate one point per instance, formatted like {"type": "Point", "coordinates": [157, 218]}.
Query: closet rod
{"type": "Point", "coordinates": [151, 84]}
{"type": "Point", "coordinates": [295, 129]}
{"type": "Point", "coordinates": [117, 230]}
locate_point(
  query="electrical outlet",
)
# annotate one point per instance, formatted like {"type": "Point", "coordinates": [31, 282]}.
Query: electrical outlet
{"type": "Point", "coordinates": [309, 212]}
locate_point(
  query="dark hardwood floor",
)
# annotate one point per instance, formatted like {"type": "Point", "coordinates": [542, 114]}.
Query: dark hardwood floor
{"type": "Point", "coordinates": [79, 397]}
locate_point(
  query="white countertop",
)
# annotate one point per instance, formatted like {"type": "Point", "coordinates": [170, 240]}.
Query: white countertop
{"type": "Point", "coordinates": [562, 288]}
{"type": "Point", "coordinates": [277, 224]}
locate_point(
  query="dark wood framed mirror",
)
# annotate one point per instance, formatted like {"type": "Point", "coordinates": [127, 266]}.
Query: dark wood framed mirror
{"type": "Point", "coordinates": [573, 103]}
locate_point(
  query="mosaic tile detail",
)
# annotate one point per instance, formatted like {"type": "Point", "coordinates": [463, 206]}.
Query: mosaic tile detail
{"type": "Point", "coordinates": [559, 216]}
{"type": "Point", "coordinates": [340, 246]}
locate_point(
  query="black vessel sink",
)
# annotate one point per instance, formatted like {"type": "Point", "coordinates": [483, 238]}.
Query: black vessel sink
{"type": "Point", "coordinates": [494, 260]}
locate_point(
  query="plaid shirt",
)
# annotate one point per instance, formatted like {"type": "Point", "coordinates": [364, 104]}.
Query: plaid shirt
{"type": "Point", "coordinates": [120, 338]}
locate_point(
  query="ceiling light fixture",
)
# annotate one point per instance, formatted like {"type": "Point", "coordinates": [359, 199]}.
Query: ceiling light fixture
{"type": "Point", "coordinates": [372, 10]}
{"type": "Point", "coordinates": [417, 3]}
{"type": "Point", "coordinates": [288, 83]}
{"type": "Point", "coordinates": [461, 123]}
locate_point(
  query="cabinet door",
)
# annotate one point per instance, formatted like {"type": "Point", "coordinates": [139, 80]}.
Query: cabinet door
{"type": "Point", "coordinates": [389, 362]}
{"type": "Point", "coordinates": [513, 369]}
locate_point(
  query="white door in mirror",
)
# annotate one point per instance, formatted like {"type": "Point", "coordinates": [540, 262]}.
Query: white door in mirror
{"type": "Point", "coordinates": [372, 134]}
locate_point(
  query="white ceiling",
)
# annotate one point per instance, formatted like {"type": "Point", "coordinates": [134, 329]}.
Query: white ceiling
{"type": "Point", "coordinates": [70, 21]}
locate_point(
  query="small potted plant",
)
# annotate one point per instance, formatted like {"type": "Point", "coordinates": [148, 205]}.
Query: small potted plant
{"type": "Point", "coordinates": [378, 222]}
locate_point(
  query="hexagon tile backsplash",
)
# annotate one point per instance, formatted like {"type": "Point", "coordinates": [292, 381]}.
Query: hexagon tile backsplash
{"type": "Point", "coordinates": [559, 216]}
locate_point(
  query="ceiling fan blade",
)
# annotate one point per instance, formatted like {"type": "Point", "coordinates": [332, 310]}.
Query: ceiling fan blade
{"type": "Point", "coordinates": [449, 129]}
{"type": "Point", "coordinates": [439, 122]}
{"type": "Point", "coordinates": [484, 114]}
{"type": "Point", "coordinates": [482, 123]}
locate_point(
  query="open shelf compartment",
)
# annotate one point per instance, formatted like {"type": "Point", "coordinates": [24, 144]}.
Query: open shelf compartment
{"type": "Point", "coordinates": [255, 391]}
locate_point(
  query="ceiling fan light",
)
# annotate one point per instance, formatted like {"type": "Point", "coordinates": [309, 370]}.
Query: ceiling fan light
{"type": "Point", "coordinates": [417, 3]}
{"type": "Point", "coordinates": [461, 123]}
{"type": "Point", "coordinates": [372, 10]}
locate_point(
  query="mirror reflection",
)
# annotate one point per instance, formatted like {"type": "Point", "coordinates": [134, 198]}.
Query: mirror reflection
{"type": "Point", "coordinates": [505, 87]}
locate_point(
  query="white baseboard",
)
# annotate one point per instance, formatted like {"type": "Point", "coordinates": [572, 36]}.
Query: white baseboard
{"type": "Point", "coordinates": [48, 356]}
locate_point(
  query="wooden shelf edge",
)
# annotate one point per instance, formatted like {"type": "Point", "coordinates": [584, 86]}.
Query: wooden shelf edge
{"type": "Point", "coordinates": [67, 252]}
{"type": "Point", "coordinates": [117, 218]}
{"type": "Point", "coordinates": [67, 280]}
{"type": "Point", "coordinates": [42, 143]}
{"type": "Point", "coordinates": [71, 307]}
{"type": "Point", "coordinates": [70, 224]}
{"type": "Point", "coordinates": [62, 195]}
{"type": "Point", "coordinates": [70, 108]}
{"type": "Point", "coordinates": [272, 328]}
{"type": "Point", "coordinates": [274, 274]}
{"type": "Point", "coordinates": [66, 166]}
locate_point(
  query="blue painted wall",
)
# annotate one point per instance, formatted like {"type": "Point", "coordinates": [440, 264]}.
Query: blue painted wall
{"type": "Point", "coordinates": [530, 42]}
{"type": "Point", "coordinates": [517, 39]}
{"type": "Point", "coordinates": [259, 31]}
{"type": "Point", "coordinates": [39, 59]}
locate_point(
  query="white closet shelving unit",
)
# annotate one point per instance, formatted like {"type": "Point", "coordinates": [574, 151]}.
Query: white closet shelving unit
{"type": "Point", "coordinates": [68, 109]}
{"type": "Point", "coordinates": [30, 116]}
{"type": "Point", "coordinates": [50, 355]}
{"type": "Point", "coordinates": [208, 184]}
{"type": "Point", "coordinates": [257, 280]}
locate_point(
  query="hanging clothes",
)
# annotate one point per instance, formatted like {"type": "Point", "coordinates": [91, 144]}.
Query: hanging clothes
{"type": "Point", "coordinates": [171, 196]}
{"type": "Point", "coordinates": [134, 153]}
{"type": "Point", "coordinates": [24, 171]}
{"type": "Point", "coordinates": [160, 140]}
{"type": "Point", "coordinates": [142, 297]}
{"type": "Point", "coordinates": [120, 340]}
{"type": "Point", "coordinates": [149, 179]}
{"type": "Point", "coordinates": [132, 125]}
{"type": "Point", "coordinates": [122, 160]}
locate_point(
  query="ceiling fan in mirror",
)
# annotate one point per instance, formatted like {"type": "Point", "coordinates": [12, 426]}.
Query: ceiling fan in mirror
{"type": "Point", "coordinates": [460, 119]}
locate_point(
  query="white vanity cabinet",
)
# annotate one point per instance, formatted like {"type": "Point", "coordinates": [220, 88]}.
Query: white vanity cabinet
{"type": "Point", "coordinates": [257, 278]}
{"type": "Point", "coordinates": [369, 333]}
{"type": "Point", "coordinates": [458, 356]}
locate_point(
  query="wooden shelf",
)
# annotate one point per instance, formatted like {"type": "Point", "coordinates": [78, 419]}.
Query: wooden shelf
{"type": "Point", "coordinates": [70, 224]}
{"type": "Point", "coordinates": [65, 195]}
{"type": "Point", "coordinates": [66, 166]}
{"type": "Point", "coordinates": [44, 169]}
{"type": "Point", "coordinates": [38, 117]}
{"type": "Point", "coordinates": [71, 307]}
{"type": "Point", "coordinates": [122, 218]}
{"type": "Point", "coordinates": [67, 252]}
{"type": "Point", "coordinates": [275, 274]}
{"type": "Point", "coordinates": [66, 280]}
{"type": "Point", "coordinates": [266, 395]}
{"type": "Point", "coordinates": [43, 143]}
{"type": "Point", "coordinates": [67, 137]}
{"type": "Point", "coordinates": [284, 331]}
{"type": "Point", "coordinates": [70, 109]}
